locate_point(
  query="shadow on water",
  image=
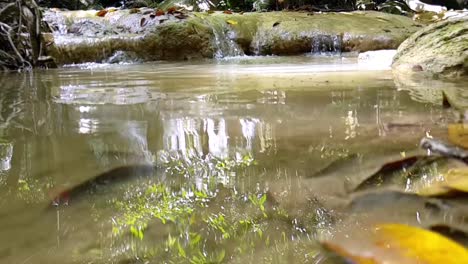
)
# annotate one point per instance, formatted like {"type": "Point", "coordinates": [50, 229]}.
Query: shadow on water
{"type": "Point", "coordinates": [225, 149]}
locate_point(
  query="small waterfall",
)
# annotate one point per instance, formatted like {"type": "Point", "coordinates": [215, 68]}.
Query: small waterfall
{"type": "Point", "coordinates": [224, 39]}
{"type": "Point", "coordinates": [326, 44]}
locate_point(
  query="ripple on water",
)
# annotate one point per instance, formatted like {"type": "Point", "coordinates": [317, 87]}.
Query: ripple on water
{"type": "Point", "coordinates": [81, 94]}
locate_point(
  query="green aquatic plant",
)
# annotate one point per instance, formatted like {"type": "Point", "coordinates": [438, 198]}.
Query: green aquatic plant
{"type": "Point", "coordinates": [203, 221]}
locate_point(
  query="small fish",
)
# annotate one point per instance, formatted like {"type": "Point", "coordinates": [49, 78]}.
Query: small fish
{"type": "Point", "coordinates": [171, 10]}
{"type": "Point", "coordinates": [276, 24]}
{"type": "Point", "coordinates": [229, 12]}
{"type": "Point", "coordinates": [180, 15]}
{"type": "Point", "coordinates": [160, 12]}
{"type": "Point", "coordinates": [143, 22]}
{"type": "Point", "coordinates": [65, 195]}
{"type": "Point", "coordinates": [231, 22]}
{"type": "Point", "coordinates": [444, 148]}
{"type": "Point", "coordinates": [134, 11]}
{"type": "Point", "coordinates": [101, 13]}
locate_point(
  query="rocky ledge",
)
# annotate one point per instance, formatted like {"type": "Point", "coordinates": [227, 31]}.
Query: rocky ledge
{"type": "Point", "coordinates": [148, 34]}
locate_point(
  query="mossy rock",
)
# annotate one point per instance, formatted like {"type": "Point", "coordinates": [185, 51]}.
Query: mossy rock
{"type": "Point", "coordinates": [439, 50]}
{"type": "Point", "coordinates": [285, 33]}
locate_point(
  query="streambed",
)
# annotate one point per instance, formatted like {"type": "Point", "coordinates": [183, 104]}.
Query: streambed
{"type": "Point", "coordinates": [225, 141]}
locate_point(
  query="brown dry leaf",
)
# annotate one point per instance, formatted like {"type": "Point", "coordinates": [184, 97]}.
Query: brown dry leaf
{"type": "Point", "coordinates": [458, 134]}
{"type": "Point", "coordinates": [398, 243]}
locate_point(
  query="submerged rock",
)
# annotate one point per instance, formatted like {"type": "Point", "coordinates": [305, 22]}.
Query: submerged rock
{"type": "Point", "coordinates": [440, 49]}
{"type": "Point", "coordinates": [202, 35]}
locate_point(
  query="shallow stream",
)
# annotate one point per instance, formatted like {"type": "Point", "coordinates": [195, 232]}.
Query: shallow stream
{"type": "Point", "coordinates": [222, 137]}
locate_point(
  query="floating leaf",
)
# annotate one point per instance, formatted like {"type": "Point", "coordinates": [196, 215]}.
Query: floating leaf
{"type": "Point", "coordinates": [398, 243]}
{"type": "Point", "coordinates": [231, 22]}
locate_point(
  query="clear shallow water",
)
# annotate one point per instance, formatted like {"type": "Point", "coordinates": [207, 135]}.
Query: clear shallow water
{"type": "Point", "coordinates": [222, 133]}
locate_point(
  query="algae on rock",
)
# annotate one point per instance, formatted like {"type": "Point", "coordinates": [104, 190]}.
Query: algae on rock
{"type": "Point", "coordinates": [440, 49]}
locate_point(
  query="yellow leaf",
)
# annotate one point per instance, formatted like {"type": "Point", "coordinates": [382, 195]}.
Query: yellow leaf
{"type": "Point", "coordinates": [458, 134]}
{"type": "Point", "coordinates": [420, 245]}
{"type": "Point", "coordinates": [231, 22]}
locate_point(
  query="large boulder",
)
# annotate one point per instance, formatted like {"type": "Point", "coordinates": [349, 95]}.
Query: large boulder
{"type": "Point", "coordinates": [82, 36]}
{"type": "Point", "coordinates": [440, 49]}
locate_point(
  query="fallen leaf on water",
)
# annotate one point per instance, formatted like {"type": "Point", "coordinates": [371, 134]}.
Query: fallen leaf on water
{"type": "Point", "coordinates": [398, 243]}
{"type": "Point", "coordinates": [231, 22]}
{"type": "Point", "coordinates": [458, 134]}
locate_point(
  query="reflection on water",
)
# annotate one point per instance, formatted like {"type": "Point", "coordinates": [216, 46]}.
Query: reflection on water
{"type": "Point", "coordinates": [6, 152]}
{"type": "Point", "coordinates": [231, 129]}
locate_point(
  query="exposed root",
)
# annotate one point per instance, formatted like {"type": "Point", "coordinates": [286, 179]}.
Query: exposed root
{"type": "Point", "coordinates": [20, 31]}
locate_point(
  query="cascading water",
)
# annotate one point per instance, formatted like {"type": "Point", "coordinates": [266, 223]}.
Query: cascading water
{"type": "Point", "coordinates": [326, 44]}
{"type": "Point", "coordinates": [224, 39]}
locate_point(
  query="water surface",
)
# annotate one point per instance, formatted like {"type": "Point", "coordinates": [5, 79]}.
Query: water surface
{"type": "Point", "coordinates": [220, 134]}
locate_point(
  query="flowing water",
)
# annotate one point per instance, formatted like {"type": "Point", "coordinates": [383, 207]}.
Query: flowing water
{"type": "Point", "coordinates": [221, 135]}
